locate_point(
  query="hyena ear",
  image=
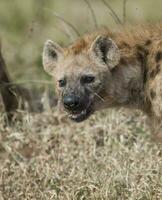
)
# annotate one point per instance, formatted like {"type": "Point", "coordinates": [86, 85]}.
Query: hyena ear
{"type": "Point", "coordinates": [51, 54]}
{"type": "Point", "coordinates": [106, 51]}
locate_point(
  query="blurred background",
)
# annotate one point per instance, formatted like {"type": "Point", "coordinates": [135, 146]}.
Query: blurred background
{"type": "Point", "coordinates": [25, 25]}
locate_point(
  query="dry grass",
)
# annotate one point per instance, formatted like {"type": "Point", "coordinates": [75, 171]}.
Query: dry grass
{"type": "Point", "coordinates": [109, 157]}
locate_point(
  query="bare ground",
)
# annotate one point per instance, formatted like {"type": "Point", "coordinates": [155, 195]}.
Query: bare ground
{"type": "Point", "coordinates": [109, 157]}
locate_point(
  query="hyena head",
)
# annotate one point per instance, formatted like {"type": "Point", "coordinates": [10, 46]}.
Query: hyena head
{"type": "Point", "coordinates": [82, 73]}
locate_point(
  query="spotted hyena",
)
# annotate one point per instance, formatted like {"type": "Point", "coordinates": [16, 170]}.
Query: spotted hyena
{"type": "Point", "coordinates": [108, 69]}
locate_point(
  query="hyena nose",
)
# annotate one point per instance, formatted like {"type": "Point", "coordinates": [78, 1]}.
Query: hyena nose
{"type": "Point", "coordinates": [71, 102]}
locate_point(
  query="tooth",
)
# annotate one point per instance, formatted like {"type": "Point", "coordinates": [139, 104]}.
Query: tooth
{"type": "Point", "coordinates": [83, 112]}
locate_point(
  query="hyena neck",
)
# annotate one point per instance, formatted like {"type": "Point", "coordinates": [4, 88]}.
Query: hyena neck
{"type": "Point", "coordinates": [127, 85]}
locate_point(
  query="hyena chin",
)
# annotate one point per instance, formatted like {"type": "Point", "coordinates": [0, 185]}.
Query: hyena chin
{"type": "Point", "coordinates": [107, 69]}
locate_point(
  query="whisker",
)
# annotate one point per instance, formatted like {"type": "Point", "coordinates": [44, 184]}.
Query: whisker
{"type": "Point", "coordinates": [102, 99]}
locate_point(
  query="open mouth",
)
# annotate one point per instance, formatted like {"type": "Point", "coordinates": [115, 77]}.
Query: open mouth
{"type": "Point", "coordinates": [80, 116]}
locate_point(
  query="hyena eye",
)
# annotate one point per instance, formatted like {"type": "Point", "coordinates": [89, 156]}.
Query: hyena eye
{"type": "Point", "coordinates": [62, 82]}
{"type": "Point", "coordinates": [87, 79]}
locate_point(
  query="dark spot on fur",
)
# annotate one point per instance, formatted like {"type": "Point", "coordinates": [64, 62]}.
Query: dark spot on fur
{"type": "Point", "coordinates": [144, 75]}
{"type": "Point", "coordinates": [123, 61]}
{"type": "Point", "coordinates": [142, 58]}
{"type": "Point", "coordinates": [158, 56]}
{"type": "Point", "coordinates": [155, 71]}
{"type": "Point", "coordinates": [142, 50]}
{"type": "Point", "coordinates": [148, 42]}
{"type": "Point", "coordinates": [158, 68]}
{"type": "Point", "coordinates": [152, 94]}
{"type": "Point", "coordinates": [152, 74]}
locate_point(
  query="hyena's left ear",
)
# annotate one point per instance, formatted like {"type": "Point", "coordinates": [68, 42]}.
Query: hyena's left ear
{"type": "Point", "coordinates": [106, 51]}
{"type": "Point", "coordinates": [52, 52]}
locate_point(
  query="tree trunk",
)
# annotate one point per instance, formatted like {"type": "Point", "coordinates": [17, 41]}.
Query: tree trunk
{"type": "Point", "coordinates": [8, 91]}
{"type": "Point", "coordinates": [14, 96]}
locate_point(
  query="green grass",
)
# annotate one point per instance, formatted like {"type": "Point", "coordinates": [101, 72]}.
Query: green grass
{"type": "Point", "coordinates": [111, 156]}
